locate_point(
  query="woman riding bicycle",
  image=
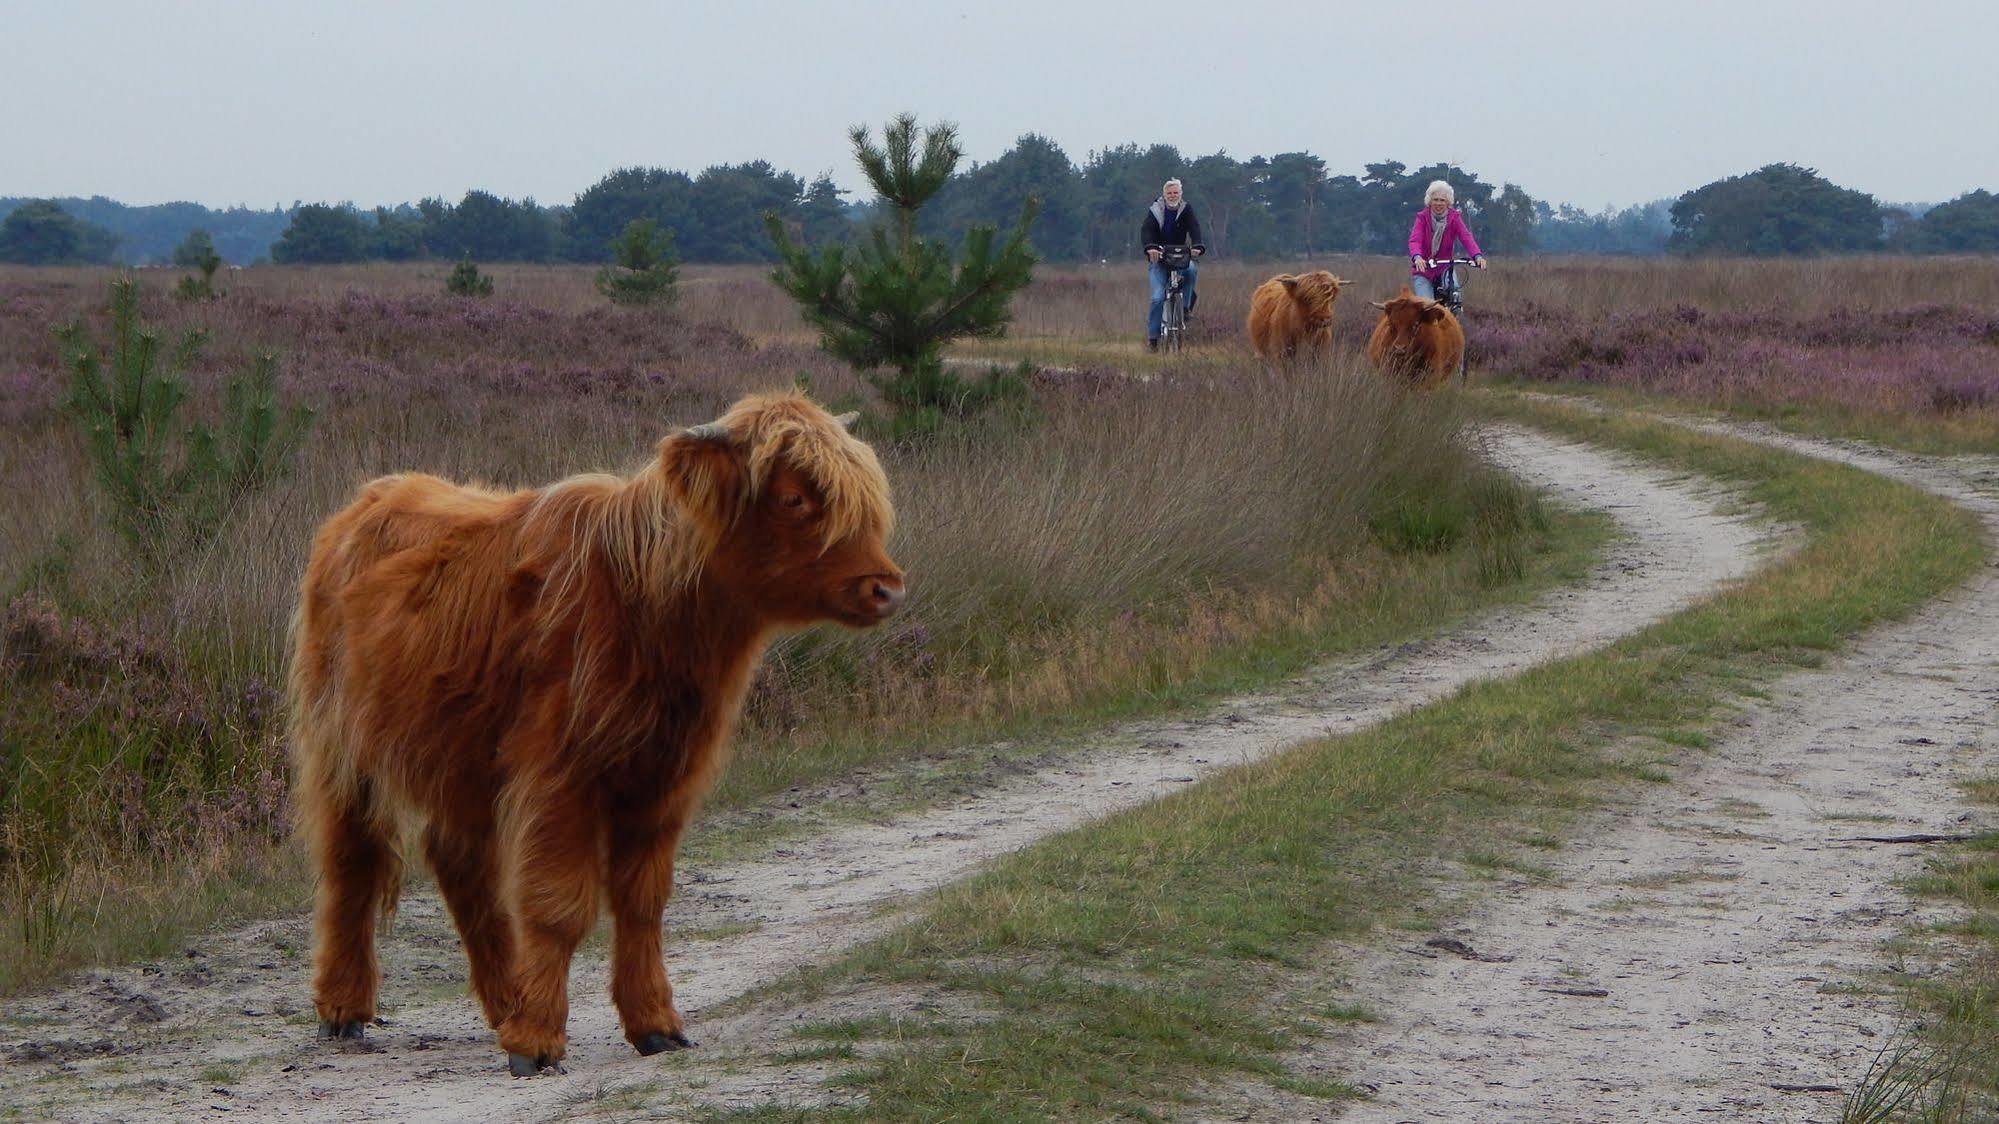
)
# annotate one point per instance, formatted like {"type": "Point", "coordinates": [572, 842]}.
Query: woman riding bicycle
{"type": "Point", "coordinates": [1439, 228]}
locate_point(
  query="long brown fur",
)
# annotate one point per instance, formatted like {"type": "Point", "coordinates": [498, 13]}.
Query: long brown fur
{"type": "Point", "coordinates": [534, 689]}
{"type": "Point", "coordinates": [1292, 313]}
{"type": "Point", "coordinates": [1417, 341]}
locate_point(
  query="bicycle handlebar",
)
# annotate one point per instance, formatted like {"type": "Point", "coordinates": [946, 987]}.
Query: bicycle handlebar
{"type": "Point", "coordinates": [1434, 262]}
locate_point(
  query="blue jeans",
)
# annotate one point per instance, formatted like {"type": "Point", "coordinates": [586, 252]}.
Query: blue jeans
{"type": "Point", "coordinates": [1422, 287]}
{"type": "Point", "coordinates": [1158, 274]}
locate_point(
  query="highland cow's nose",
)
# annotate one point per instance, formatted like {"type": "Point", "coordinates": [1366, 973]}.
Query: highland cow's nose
{"type": "Point", "coordinates": [883, 595]}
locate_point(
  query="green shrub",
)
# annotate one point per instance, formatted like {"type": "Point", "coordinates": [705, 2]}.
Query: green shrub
{"type": "Point", "coordinates": [172, 482]}
{"type": "Point", "coordinates": [467, 281]}
{"type": "Point", "coordinates": [895, 299]}
{"type": "Point", "coordinates": [645, 271]}
{"type": "Point", "coordinates": [198, 252]}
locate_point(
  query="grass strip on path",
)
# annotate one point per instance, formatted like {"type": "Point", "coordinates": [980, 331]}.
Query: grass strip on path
{"type": "Point", "coordinates": [1933, 432]}
{"type": "Point", "coordinates": [1115, 969]}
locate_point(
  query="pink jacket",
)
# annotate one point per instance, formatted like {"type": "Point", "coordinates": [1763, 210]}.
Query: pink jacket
{"type": "Point", "coordinates": [1455, 230]}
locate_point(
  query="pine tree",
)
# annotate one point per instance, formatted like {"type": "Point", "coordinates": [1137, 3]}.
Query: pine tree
{"type": "Point", "coordinates": [172, 482]}
{"type": "Point", "coordinates": [198, 251]}
{"type": "Point", "coordinates": [895, 299]}
{"type": "Point", "coordinates": [467, 281]}
{"type": "Point", "coordinates": [645, 269]}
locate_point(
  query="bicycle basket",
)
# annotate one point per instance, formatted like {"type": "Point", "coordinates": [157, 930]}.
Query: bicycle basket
{"type": "Point", "coordinates": [1175, 257]}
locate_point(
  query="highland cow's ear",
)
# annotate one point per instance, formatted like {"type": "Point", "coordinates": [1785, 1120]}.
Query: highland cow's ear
{"type": "Point", "coordinates": [848, 419]}
{"type": "Point", "coordinates": [707, 472]}
{"type": "Point", "coordinates": [1433, 313]}
{"type": "Point", "coordinates": [1289, 282]}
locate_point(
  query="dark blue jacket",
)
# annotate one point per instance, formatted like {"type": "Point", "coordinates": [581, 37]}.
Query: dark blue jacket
{"type": "Point", "coordinates": [1188, 232]}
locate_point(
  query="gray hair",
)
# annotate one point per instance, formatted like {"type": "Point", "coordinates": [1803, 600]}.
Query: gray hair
{"type": "Point", "coordinates": [1172, 183]}
{"type": "Point", "coordinates": [1439, 187]}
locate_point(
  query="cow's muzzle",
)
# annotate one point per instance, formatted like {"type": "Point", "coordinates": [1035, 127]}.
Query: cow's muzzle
{"type": "Point", "coordinates": [872, 599]}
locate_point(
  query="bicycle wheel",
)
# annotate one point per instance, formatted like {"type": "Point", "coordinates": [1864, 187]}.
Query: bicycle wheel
{"type": "Point", "coordinates": [1175, 325]}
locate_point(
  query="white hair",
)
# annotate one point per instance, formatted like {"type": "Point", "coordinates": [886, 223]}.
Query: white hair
{"type": "Point", "coordinates": [1172, 183]}
{"type": "Point", "coordinates": [1439, 187]}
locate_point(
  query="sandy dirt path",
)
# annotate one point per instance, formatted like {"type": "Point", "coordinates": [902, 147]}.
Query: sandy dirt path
{"type": "Point", "coordinates": [1712, 948]}
{"type": "Point", "coordinates": [224, 1032]}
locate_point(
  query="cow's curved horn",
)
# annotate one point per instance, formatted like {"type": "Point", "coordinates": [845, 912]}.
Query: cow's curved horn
{"type": "Point", "coordinates": [708, 431]}
{"type": "Point", "coordinates": [1377, 304]}
{"type": "Point", "coordinates": [848, 419]}
{"type": "Point", "coordinates": [1341, 281]}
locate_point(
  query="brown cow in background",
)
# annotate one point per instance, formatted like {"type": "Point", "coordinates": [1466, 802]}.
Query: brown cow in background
{"type": "Point", "coordinates": [1287, 313]}
{"type": "Point", "coordinates": [539, 685]}
{"type": "Point", "coordinates": [1416, 339]}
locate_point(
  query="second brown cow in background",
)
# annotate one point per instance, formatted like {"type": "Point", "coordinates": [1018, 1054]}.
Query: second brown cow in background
{"type": "Point", "coordinates": [1416, 339]}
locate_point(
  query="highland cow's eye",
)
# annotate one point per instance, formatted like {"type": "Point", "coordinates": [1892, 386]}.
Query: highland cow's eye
{"type": "Point", "coordinates": [792, 500]}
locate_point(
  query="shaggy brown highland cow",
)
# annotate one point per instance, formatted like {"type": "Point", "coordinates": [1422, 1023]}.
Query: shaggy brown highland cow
{"type": "Point", "coordinates": [1417, 340]}
{"type": "Point", "coordinates": [535, 688]}
{"type": "Point", "coordinates": [1291, 313]}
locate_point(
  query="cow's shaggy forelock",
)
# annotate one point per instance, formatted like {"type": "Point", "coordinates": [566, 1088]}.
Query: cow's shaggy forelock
{"type": "Point", "coordinates": [789, 429]}
{"type": "Point", "coordinates": [657, 529]}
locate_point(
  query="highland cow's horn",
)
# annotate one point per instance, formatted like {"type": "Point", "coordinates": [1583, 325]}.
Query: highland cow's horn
{"type": "Point", "coordinates": [1377, 304]}
{"type": "Point", "coordinates": [1341, 281]}
{"type": "Point", "coordinates": [848, 419]}
{"type": "Point", "coordinates": [708, 431]}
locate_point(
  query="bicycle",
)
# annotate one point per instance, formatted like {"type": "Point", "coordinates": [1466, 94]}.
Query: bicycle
{"type": "Point", "coordinates": [1173, 317]}
{"type": "Point", "coordinates": [1450, 291]}
{"type": "Point", "coordinates": [1451, 294]}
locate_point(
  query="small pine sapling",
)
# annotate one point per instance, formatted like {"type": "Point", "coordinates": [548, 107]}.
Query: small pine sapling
{"type": "Point", "coordinates": [172, 482]}
{"type": "Point", "coordinates": [467, 281]}
{"type": "Point", "coordinates": [897, 298]}
{"type": "Point", "coordinates": [199, 253]}
{"type": "Point", "coordinates": [645, 270]}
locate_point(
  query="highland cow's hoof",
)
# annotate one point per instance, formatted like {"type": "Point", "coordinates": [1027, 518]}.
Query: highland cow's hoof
{"type": "Point", "coordinates": [660, 1043]}
{"type": "Point", "coordinates": [349, 1029]}
{"type": "Point", "coordinates": [520, 1065]}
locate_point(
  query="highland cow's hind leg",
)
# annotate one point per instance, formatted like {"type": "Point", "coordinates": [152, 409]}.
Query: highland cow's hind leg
{"type": "Point", "coordinates": [468, 875]}
{"type": "Point", "coordinates": [641, 880]}
{"type": "Point", "coordinates": [359, 875]}
{"type": "Point", "coordinates": [556, 866]}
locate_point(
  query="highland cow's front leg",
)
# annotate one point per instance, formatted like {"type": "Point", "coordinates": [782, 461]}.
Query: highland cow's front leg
{"type": "Point", "coordinates": [641, 880]}
{"type": "Point", "coordinates": [555, 863]}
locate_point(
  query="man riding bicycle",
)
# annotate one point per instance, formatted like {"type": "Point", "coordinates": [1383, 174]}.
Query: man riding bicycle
{"type": "Point", "coordinates": [1168, 222]}
{"type": "Point", "coordinates": [1438, 229]}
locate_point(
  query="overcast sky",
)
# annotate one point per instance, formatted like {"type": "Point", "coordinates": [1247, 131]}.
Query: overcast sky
{"type": "Point", "coordinates": [226, 102]}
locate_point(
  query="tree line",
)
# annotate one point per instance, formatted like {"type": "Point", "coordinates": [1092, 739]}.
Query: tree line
{"type": "Point", "coordinates": [1265, 207]}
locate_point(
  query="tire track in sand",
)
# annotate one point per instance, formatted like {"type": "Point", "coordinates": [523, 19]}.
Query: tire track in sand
{"type": "Point", "coordinates": [1736, 938]}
